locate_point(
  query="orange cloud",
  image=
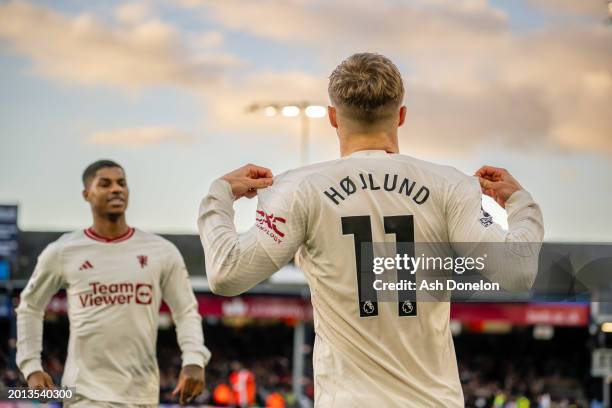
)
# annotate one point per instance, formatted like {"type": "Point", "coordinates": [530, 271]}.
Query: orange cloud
{"type": "Point", "coordinates": [470, 78]}
{"type": "Point", "coordinates": [83, 50]}
{"type": "Point", "coordinates": [137, 137]}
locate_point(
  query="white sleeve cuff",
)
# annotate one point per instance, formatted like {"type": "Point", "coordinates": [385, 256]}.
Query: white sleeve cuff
{"type": "Point", "coordinates": [518, 200]}
{"type": "Point", "coordinates": [221, 189]}
{"type": "Point", "coordinates": [29, 366]}
{"type": "Point", "coordinates": [519, 196]}
{"type": "Point", "coordinates": [196, 358]}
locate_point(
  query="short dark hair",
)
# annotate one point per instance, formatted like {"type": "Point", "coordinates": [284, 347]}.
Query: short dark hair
{"type": "Point", "coordinates": [92, 169]}
{"type": "Point", "coordinates": [367, 86]}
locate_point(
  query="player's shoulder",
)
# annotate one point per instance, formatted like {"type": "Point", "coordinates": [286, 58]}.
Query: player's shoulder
{"type": "Point", "coordinates": [287, 185]}
{"type": "Point", "coordinates": [142, 236]}
{"type": "Point", "coordinates": [449, 173]}
{"type": "Point", "coordinates": [65, 240]}
{"type": "Point", "coordinates": [68, 239]}
{"type": "Point", "coordinates": [446, 177]}
{"type": "Point", "coordinates": [303, 173]}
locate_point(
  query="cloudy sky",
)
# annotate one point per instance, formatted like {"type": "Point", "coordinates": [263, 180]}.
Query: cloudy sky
{"type": "Point", "coordinates": [162, 86]}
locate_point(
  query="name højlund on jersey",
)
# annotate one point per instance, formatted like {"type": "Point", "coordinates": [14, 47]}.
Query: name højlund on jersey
{"type": "Point", "coordinates": [392, 182]}
{"type": "Point", "coordinates": [120, 293]}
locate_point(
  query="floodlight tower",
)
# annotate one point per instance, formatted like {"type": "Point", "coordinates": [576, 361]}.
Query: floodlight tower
{"type": "Point", "coordinates": [303, 109]}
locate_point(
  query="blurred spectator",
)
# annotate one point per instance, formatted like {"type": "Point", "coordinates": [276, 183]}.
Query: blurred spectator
{"type": "Point", "coordinates": [494, 370]}
{"type": "Point", "coordinates": [275, 400]}
{"type": "Point", "coordinates": [223, 395]}
{"type": "Point", "coordinates": [243, 385]}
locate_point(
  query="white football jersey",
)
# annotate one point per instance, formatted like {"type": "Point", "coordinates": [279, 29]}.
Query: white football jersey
{"type": "Point", "coordinates": [114, 290]}
{"type": "Point", "coordinates": [368, 353]}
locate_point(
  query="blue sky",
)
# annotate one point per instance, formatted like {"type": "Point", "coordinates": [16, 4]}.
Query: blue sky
{"type": "Point", "coordinates": [162, 86]}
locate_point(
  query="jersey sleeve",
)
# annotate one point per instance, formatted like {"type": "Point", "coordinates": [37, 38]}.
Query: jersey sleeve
{"type": "Point", "coordinates": [237, 262]}
{"type": "Point", "coordinates": [512, 255]}
{"type": "Point", "coordinates": [178, 294]}
{"type": "Point", "coordinates": [45, 281]}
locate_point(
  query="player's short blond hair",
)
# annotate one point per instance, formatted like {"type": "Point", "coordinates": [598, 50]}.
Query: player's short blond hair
{"type": "Point", "coordinates": [366, 87]}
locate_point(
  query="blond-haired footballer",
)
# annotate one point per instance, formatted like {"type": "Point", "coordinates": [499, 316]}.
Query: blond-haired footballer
{"type": "Point", "coordinates": [368, 353]}
{"type": "Point", "coordinates": [115, 278]}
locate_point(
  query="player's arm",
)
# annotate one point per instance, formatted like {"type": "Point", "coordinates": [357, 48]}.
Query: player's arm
{"type": "Point", "coordinates": [178, 294]}
{"type": "Point", "coordinates": [237, 262]}
{"type": "Point", "coordinates": [43, 284]}
{"type": "Point", "coordinates": [512, 255]}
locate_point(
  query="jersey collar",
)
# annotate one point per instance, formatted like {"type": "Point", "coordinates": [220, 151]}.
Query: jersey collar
{"type": "Point", "coordinates": [369, 153]}
{"type": "Point", "coordinates": [89, 232]}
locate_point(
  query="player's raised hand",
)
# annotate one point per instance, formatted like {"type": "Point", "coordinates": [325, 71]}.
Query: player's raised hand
{"type": "Point", "coordinates": [40, 380]}
{"type": "Point", "coordinates": [246, 180]}
{"type": "Point", "coordinates": [497, 183]}
{"type": "Point", "coordinates": [190, 384]}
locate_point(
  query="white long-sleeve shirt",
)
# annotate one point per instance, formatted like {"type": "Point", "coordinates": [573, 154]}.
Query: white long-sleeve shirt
{"type": "Point", "coordinates": [114, 291]}
{"type": "Point", "coordinates": [368, 352]}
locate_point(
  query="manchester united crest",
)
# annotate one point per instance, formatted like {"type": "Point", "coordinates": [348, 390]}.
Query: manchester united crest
{"type": "Point", "coordinates": [142, 260]}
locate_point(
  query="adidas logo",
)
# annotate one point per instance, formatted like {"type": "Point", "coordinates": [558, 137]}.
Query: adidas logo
{"type": "Point", "coordinates": [86, 265]}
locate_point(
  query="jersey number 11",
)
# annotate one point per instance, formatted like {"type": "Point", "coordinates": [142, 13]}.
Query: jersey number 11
{"type": "Point", "coordinates": [361, 229]}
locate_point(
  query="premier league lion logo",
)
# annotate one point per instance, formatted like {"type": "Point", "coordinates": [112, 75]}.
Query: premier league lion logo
{"type": "Point", "coordinates": [368, 307]}
{"type": "Point", "coordinates": [407, 307]}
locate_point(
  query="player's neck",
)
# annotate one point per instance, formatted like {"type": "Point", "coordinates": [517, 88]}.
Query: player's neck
{"type": "Point", "coordinates": [110, 227]}
{"type": "Point", "coordinates": [359, 142]}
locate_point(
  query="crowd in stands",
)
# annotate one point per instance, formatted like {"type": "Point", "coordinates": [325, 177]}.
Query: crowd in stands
{"type": "Point", "coordinates": [516, 371]}
{"type": "Point", "coordinates": [251, 366]}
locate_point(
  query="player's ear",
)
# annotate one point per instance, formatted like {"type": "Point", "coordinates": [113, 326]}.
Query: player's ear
{"type": "Point", "coordinates": [331, 113]}
{"type": "Point", "coordinates": [85, 194]}
{"type": "Point", "coordinates": [402, 116]}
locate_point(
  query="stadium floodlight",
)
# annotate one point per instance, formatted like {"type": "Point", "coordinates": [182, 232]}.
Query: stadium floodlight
{"type": "Point", "coordinates": [291, 111]}
{"type": "Point", "coordinates": [315, 111]}
{"type": "Point", "coordinates": [456, 327]}
{"type": "Point", "coordinates": [304, 110]}
{"type": "Point", "coordinates": [270, 111]}
{"type": "Point", "coordinates": [543, 332]}
{"type": "Point", "coordinates": [606, 327]}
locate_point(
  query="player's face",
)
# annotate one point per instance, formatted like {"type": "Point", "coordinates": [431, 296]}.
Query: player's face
{"type": "Point", "coordinates": [108, 192]}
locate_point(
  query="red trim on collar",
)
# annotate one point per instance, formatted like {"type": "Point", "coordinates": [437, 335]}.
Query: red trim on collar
{"type": "Point", "coordinates": [97, 237]}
